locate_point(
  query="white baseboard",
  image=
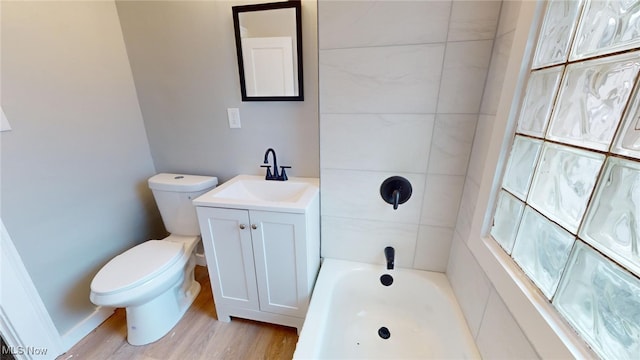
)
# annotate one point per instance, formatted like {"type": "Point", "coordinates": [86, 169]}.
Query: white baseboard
{"type": "Point", "coordinates": [86, 326]}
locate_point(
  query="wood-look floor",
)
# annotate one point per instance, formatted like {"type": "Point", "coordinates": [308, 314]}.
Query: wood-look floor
{"type": "Point", "coordinates": [198, 335]}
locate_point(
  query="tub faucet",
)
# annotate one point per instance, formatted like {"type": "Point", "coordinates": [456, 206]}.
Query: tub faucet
{"type": "Point", "coordinates": [390, 254]}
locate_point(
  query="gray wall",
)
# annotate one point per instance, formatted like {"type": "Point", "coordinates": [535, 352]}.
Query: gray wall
{"type": "Point", "coordinates": [75, 165]}
{"type": "Point", "coordinates": [401, 84]}
{"type": "Point", "coordinates": [183, 58]}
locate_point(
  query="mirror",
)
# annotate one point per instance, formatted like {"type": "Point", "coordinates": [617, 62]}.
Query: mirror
{"type": "Point", "coordinates": [269, 50]}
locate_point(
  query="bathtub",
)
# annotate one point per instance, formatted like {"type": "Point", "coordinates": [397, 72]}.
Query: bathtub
{"type": "Point", "coordinates": [353, 315]}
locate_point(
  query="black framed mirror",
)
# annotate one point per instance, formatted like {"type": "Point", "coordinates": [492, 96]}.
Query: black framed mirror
{"type": "Point", "coordinates": [269, 51]}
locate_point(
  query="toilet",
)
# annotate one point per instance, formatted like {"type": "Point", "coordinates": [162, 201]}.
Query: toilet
{"type": "Point", "coordinates": [154, 281]}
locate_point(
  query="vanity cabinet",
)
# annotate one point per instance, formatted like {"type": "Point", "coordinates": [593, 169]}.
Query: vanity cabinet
{"type": "Point", "coordinates": [262, 264]}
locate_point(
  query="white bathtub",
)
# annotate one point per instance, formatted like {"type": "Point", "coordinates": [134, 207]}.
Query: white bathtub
{"type": "Point", "coordinates": [349, 305]}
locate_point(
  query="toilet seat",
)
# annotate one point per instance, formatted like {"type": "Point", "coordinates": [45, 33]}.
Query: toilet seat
{"type": "Point", "coordinates": [137, 266]}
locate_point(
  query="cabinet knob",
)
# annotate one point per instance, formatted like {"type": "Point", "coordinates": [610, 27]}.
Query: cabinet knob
{"type": "Point", "coordinates": [254, 226]}
{"type": "Point", "coordinates": [242, 226]}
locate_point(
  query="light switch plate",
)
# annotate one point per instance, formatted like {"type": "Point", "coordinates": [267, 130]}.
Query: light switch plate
{"type": "Point", "coordinates": [234, 118]}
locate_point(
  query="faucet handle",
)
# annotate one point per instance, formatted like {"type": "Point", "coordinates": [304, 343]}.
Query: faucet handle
{"type": "Point", "coordinates": [283, 174]}
{"type": "Point", "coordinates": [269, 176]}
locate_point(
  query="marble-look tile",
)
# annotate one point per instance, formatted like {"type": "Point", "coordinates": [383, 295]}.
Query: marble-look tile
{"type": "Point", "coordinates": [480, 147]}
{"type": "Point", "coordinates": [467, 208]}
{"type": "Point", "coordinates": [365, 240]}
{"type": "Point", "coordinates": [382, 142]}
{"type": "Point", "coordinates": [495, 77]}
{"type": "Point", "coordinates": [432, 248]}
{"type": "Point", "coordinates": [508, 17]}
{"type": "Point", "coordinates": [344, 24]}
{"type": "Point", "coordinates": [500, 337]}
{"type": "Point", "coordinates": [473, 20]}
{"type": "Point", "coordinates": [469, 283]}
{"type": "Point", "coordinates": [463, 77]}
{"type": "Point", "coordinates": [392, 79]}
{"type": "Point", "coordinates": [356, 194]}
{"type": "Point", "coordinates": [442, 200]}
{"type": "Point", "coordinates": [451, 144]}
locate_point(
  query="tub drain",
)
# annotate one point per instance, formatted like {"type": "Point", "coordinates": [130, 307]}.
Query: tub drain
{"type": "Point", "coordinates": [386, 279]}
{"type": "Point", "coordinates": [384, 333]}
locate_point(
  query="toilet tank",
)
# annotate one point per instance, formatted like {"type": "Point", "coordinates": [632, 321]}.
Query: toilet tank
{"type": "Point", "coordinates": [173, 194]}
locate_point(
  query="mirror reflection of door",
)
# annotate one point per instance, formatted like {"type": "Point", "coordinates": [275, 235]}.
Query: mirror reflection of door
{"type": "Point", "coordinates": [268, 42]}
{"type": "Point", "coordinates": [268, 66]}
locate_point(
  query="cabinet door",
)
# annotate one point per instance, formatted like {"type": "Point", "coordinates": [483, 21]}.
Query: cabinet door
{"type": "Point", "coordinates": [227, 239]}
{"type": "Point", "coordinates": [280, 252]}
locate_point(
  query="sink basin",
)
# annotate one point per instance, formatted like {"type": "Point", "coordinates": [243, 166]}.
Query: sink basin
{"type": "Point", "coordinates": [262, 190]}
{"type": "Point", "coordinates": [254, 192]}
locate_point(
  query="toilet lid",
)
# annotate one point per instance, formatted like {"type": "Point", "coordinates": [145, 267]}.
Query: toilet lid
{"type": "Point", "coordinates": [136, 266]}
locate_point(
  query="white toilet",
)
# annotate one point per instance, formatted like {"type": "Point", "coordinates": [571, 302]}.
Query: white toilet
{"type": "Point", "coordinates": [154, 280]}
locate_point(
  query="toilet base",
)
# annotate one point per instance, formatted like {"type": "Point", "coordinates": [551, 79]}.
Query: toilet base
{"type": "Point", "coordinates": [150, 321]}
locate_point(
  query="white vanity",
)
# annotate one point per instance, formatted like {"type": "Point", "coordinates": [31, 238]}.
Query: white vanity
{"type": "Point", "coordinates": [262, 245]}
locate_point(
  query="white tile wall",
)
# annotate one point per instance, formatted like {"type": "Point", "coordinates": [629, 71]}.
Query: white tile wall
{"type": "Point", "coordinates": [390, 79]}
{"type": "Point", "coordinates": [499, 60]}
{"type": "Point", "coordinates": [463, 76]}
{"type": "Point", "coordinates": [467, 207]}
{"type": "Point", "coordinates": [500, 337]}
{"type": "Point", "coordinates": [432, 243]}
{"type": "Point", "coordinates": [473, 20]}
{"type": "Point", "coordinates": [451, 143]}
{"type": "Point", "coordinates": [348, 24]}
{"type": "Point", "coordinates": [385, 142]}
{"type": "Point", "coordinates": [392, 103]}
{"type": "Point", "coordinates": [441, 200]}
{"type": "Point", "coordinates": [356, 194]}
{"type": "Point", "coordinates": [508, 17]}
{"type": "Point", "coordinates": [480, 147]}
{"type": "Point", "coordinates": [469, 283]}
{"type": "Point", "coordinates": [365, 240]}
{"type": "Point", "coordinates": [497, 334]}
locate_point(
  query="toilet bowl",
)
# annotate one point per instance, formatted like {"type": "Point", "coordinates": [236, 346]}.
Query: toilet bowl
{"type": "Point", "coordinates": [154, 280]}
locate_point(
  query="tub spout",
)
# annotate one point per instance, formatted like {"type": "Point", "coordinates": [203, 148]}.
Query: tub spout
{"type": "Point", "coordinates": [390, 254]}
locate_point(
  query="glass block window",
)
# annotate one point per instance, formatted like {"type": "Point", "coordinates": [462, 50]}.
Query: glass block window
{"type": "Point", "coordinates": [507, 220]}
{"type": "Point", "coordinates": [542, 249]}
{"type": "Point", "coordinates": [536, 109]}
{"type": "Point", "coordinates": [592, 97]}
{"type": "Point", "coordinates": [568, 212]}
{"type": "Point", "coordinates": [519, 172]}
{"type": "Point", "coordinates": [557, 28]}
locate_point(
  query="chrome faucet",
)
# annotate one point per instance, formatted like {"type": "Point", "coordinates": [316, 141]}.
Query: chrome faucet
{"type": "Point", "coordinates": [390, 254]}
{"type": "Point", "coordinates": [282, 176]}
